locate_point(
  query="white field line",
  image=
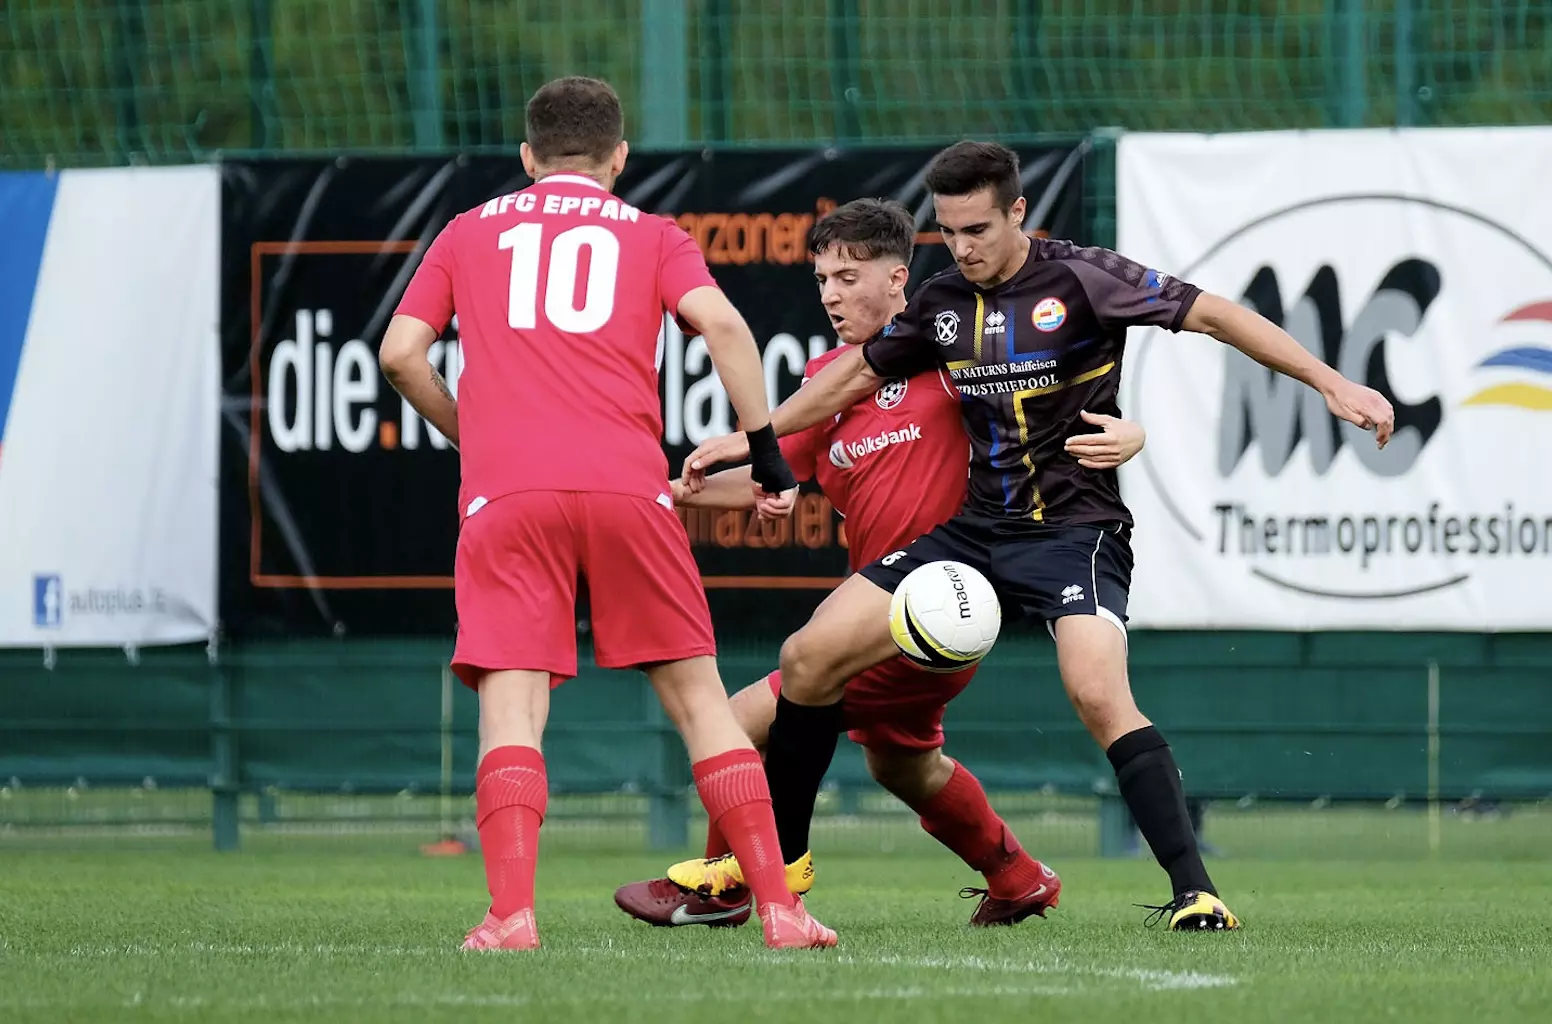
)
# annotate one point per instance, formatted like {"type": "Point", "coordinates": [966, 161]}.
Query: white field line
{"type": "Point", "coordinates": [1150, 979]}
{"type": "Point", "coordinates": [739, 995]}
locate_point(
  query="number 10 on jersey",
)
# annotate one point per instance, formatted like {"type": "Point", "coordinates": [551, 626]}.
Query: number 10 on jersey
{"type": "Point", "coordinates": [560, 290]}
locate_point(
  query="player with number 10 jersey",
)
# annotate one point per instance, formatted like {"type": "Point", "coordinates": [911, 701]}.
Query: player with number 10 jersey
{"type": "Point", "coordinates": [561, 289]}
{"type": "Point", "coordinates": [559, 396]}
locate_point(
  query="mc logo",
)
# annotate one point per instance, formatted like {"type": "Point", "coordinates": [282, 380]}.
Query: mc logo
{"type": "Point", "coordinates": [1279, 412]}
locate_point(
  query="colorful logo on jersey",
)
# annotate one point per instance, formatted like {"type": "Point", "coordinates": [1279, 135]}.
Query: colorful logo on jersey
{"type": "Point", "coordinates": [1050, 313]}
{"type": "Point", "coordinates": [946, 326]}
{"type": "Point", "coordinates": [891, 394]}
{"type": "Point", "coordinates": [838, 457]}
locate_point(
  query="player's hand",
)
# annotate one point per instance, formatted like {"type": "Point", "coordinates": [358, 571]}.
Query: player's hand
{"type": "Point", "coordinates": [679, 491]}
{"type": "Point", "coordinates": [727, 448]}
{"type": "Point", "coordinates": [774, 506]}
{"type": "Point", "coordinates": [1363, 407]}
{"type": "Point", "coordinates": [1117, 441]}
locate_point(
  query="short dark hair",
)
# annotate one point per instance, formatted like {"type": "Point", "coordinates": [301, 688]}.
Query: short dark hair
{"type": "Point", "coordinates": [574, 119]}
{"type": "Point", "coordinates": [866, 229]}
{"type": "Point", "coordinates": [967, 167]}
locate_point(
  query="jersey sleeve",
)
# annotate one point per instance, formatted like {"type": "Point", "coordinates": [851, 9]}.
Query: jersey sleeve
{"type": "Point", "coordinates": [681, 269]}
{"type": "Point", "coordinates": [429, 297]}
{"type": "Point", "coordinates": [801, 450]}
{"type": "Point", "coordinates": [1124, 293]}
{"type": "Point", "coordinates": [902, 348]}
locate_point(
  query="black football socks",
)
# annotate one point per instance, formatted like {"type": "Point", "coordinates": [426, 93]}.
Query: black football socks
{"type": "Point", "coordinates": [1150, 784]}
{"type": "Point", "coordinates": [798, 753]}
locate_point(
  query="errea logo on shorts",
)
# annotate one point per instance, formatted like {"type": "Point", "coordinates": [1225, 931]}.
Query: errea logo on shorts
{"type": "Point", "coordinates": [844, 454]}
{"type": "Point", "coordinates": [1072, 593]}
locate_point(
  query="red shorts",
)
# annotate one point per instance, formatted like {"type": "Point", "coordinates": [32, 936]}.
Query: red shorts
{"type": "Point", "coordinates": [515, 582]}
{"type": "Point", "coordinates": [896, 704]}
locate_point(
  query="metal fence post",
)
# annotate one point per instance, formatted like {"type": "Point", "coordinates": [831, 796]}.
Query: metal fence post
{"type": "Point", "coordinates": [1434, 809]}
{"type": "Point", "coordinates": [665, 74]}
{"type": "Point", "coordinates": [261, 74]}
{"type": "Point", "coordinates": [845, 79]}
{"type": "Point", "coordinates": [1406, 65]}
{"type": "Point", "coordinates": [668, 810]}
{"type": "Point", "coordinates": [128, 54]}
{"type": "Point", "coordinates": [223, 750]}
{"type": "Point", "coordinates": [1116, 834]}
{"type": "Point", "coordinates": [425, 74]}
{"type": "Point", "coordinates": [716, 82]}
{"type": "Point", "coordinates": [1347, 29]}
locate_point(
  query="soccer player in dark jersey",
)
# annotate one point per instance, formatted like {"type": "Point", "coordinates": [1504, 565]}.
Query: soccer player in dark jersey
{"type": "Point", "coordinates": [895, 465]}
{"type": "Point", "coordinates": [1032, 333]}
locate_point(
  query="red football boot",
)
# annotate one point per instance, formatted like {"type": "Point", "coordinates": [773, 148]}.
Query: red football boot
{"type": "Point", "coordinates": [992, 910]}
{"type": "Point", "coordinates": [662, 903]}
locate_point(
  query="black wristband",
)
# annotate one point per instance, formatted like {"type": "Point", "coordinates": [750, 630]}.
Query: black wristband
{"type": "Point", "coordinates": [763, 441]}
{"type": "Point", "coordinates": [766, 464]}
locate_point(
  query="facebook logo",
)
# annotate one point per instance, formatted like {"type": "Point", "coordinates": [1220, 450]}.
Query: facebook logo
{"type": "Point", "coordinates": [48, 601]}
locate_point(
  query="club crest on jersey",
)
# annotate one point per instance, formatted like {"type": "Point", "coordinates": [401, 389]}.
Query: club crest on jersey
{"type": "Point", "coordinates": [891, 394]}
{"type": "Point", "coordinates": [838, 457]}
{"type": "Point", "coordinates": [946, 326]}
{"type": "Point", "coordinates": [1049, 314]}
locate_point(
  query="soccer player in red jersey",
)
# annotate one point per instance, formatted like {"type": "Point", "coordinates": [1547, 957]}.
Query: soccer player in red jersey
{"type": "Point", "coordinates": [895, 465]}
{"type": "Point", "coordinates": [560, 290]}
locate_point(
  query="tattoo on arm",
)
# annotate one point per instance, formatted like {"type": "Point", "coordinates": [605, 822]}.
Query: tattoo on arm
{"type": "Point", "coordinates": [441, 384]}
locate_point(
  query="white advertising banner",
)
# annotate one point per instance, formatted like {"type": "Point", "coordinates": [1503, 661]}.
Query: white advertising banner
{"type": "Point", "coordinates": [1417, 262]}
{"type": "Point", "coordinates": [109, 398]}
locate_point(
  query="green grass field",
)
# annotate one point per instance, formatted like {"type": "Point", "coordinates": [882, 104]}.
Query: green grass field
{"type": "Point", "coordinates": [363, 928]}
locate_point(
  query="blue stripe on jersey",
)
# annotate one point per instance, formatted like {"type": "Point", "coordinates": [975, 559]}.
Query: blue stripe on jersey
{"type": "Point", "coordinates": [1047, 353]}
{"type": "Point", "coordinates": [26, 203]}
{"type": "Point", "coordinates": [997, 447]}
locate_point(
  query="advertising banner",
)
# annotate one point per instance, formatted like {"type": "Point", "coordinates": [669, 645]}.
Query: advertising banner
{"type": "Point", "coordinates": [339, 502]}
{"type": "Point", "coordinates": [109, 399]}
{"type": "Point", "coordinates": [1417, 262]}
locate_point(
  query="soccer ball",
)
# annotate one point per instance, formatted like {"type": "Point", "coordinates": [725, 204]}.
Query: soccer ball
{"type": "Point", "coordinates": [944, 616]}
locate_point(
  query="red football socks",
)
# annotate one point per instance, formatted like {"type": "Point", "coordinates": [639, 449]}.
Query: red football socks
{"type": "Point", "coordinates": [716, 843]}
{"type": "Point", "coordinates": [959, 817]}
{"type": "Point", "coordinates": [511, 793]}
{"type": "Point", "coordinates": [738, 801]}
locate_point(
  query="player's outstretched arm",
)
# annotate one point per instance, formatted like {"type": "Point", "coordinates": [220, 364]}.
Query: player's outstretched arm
{"type": "Point", "coordinates": [729, 489]}
{"type": "Point", "coordinates": [1271, 346]}
{"type": "Point", "coordinates": [734, 489]}
{"type": "Point", "coordinates": [406, 362]}
{"type": "Point", "coordinates": [840, 385]}
{"type": "Point", "coordinates": [833, 389]}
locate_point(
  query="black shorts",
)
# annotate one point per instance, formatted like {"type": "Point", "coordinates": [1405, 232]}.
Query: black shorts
{"type": "Point", "coordinates": [1042, 570]}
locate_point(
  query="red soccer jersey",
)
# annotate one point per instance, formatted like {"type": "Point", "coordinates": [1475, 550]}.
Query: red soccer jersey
{"type": "Point", "coordinates": [560, 291]}
{"type": "Point", "coordinates": [895, 464]}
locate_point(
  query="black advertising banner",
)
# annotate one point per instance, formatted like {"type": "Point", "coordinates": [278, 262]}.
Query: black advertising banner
{"type": "Point", "coordinates": [339, 502]}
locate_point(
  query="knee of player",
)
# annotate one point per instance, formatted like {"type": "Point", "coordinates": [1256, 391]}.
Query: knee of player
{"type": "Point", "coordinates": [1099, 702]}
{"type": "Point", "coordinates": [807, 670]}
{"type": "Point", "coordinates": [909, 775]}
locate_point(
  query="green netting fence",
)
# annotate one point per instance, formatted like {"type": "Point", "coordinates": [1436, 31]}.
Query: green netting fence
{"type": "Point", "coordinates": [87, 82]}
